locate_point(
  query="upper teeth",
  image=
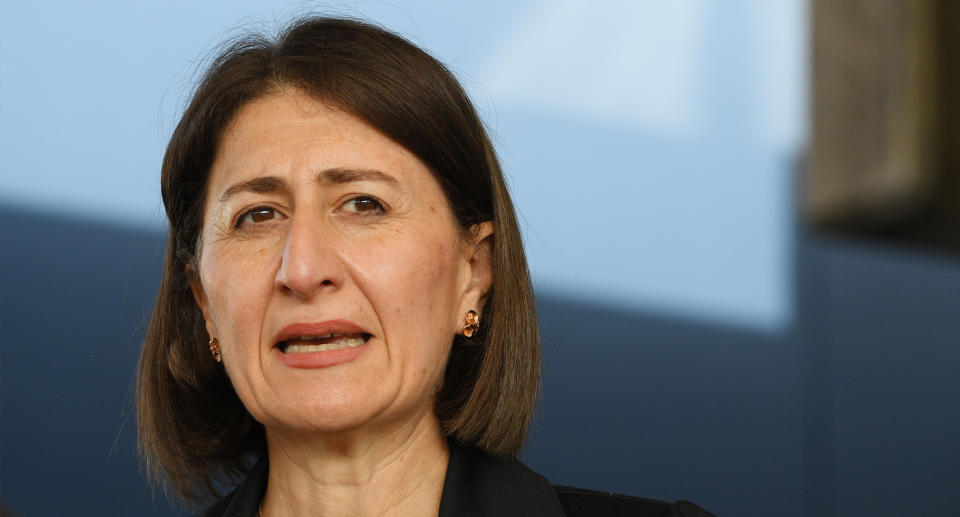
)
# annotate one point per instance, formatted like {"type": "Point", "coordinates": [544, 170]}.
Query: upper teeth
{"type": "Point", "coordinates": [324, 336]}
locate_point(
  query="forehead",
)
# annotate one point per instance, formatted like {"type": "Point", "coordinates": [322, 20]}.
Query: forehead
{"type": "Point", "coordinates": [290, 132]}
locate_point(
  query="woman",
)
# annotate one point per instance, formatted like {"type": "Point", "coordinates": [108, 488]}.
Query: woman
{"type": "Point", "coordinates": [345, 322]}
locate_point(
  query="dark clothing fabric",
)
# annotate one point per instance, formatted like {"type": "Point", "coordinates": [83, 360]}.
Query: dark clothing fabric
{"type": "Point", "coordinates": [478, 485]}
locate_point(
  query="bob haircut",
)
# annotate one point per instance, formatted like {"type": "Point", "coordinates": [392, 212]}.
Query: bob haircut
{"type": "Point", "coordinates": [192, 426]}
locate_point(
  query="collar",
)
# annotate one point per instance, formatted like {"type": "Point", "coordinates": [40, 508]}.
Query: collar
{"type": "Point", "coordinates": [479, 485]}
{"type": "Point", "coordinates": [476, 485]}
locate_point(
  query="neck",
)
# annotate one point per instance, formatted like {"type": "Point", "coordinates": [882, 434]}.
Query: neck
{"type": "Point", "coordinates": [385, 472]}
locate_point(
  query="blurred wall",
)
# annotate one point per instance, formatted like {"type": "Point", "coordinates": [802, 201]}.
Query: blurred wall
{"type": "Point", "coordinates": [628, 130]}
{"type": "Point", "coordinates": [696, 343]}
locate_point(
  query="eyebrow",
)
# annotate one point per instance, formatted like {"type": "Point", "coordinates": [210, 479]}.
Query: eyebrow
{"type": "Point", "coordinates": [338, 175]}
{"type": "Point", "coordinates": [345, 175]}
{"type": "Point", "coordinates": [260, 185]}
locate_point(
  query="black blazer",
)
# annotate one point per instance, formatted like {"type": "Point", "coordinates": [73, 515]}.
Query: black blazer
{"type": "Point", "coordinates": [478, 485]}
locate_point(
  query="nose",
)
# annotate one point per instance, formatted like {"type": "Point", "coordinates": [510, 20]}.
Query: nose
{"type": "Point", "coordinates": [310, 262]}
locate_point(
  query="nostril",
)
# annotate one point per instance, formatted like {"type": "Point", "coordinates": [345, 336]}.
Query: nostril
{"type": "Point", "coordinates": [327, 282]}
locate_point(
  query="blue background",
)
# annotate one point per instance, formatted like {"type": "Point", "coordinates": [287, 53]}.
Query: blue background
{"type": "Point", "coordinates": [699, 343]}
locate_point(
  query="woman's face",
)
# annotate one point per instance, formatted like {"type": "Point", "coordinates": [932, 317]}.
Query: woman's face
{"type": "Point", "coordinates": [331, 269]}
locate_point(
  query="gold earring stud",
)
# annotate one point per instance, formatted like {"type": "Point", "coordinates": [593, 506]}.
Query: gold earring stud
{"type": "Point", "coordinates": [215, 349]}
{"type": "Point", "coordinates": [472, 321]}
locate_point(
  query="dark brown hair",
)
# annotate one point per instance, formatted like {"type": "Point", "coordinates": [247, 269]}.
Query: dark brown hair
{"type": "Point", "coordinates": [192, 426]}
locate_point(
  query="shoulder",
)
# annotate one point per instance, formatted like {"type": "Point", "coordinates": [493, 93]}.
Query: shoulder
{"type": "Point", "coordinates": [578, 502]}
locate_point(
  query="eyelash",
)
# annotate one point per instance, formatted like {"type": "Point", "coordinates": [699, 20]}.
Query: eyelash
{"type": "Point", "coordinates": [377, 204]}
{"type": "Point", "coordinates": [378, 208]}
{"type": "Point", "coordinates": [242, 219]}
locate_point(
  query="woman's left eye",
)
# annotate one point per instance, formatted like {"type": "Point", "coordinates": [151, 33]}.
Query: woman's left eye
{"type": "Point", "coordinates": [365, 205]}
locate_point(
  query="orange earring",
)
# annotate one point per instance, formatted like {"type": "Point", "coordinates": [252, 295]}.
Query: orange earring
{"type": "Point", "coordinates": [472, 321]}
{"type": "Point", "coordinates": [215, 349]}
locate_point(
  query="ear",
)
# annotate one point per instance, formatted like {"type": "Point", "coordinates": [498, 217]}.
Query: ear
{"type": "Point", "coordinates": [480, 264]}
{"type": "Point", "coordinates": [200, 296]}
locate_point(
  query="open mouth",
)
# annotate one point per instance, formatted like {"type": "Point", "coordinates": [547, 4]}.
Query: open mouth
{"type": "Point", "coordinates": [322, 343]}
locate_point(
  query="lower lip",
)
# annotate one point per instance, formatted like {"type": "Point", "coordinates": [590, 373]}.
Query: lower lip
{"type": "Point", "coordinates": [322, 359]}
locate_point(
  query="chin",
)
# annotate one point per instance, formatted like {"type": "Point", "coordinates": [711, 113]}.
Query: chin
{"type": "Point", "coordinates": [330, 415]}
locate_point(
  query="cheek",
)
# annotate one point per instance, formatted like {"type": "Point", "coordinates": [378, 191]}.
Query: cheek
{"type": "Point", "coordinates": [414, 293]}
{"type": "Point", "coordinates": [427, 274]}
{"type": "Point", "coordinates": [237, 280]}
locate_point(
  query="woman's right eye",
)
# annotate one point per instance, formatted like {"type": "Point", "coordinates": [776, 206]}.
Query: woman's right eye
{"type": "Point", "coordinates": [261, 214]}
